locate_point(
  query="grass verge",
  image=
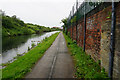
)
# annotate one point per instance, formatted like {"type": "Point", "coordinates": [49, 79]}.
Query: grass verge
{"type": "Point", "coordinates": [85, 66]}
{"type": "Point", "coordinates": [23, 64]}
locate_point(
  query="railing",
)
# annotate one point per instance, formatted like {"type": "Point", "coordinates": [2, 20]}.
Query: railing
{"type": "Point", "coordinates": [79, 10]}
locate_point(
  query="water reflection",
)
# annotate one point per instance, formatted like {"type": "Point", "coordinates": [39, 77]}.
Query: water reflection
{"type": "Point", "coordinates": [11, 46]}
{"type": "Point", "coordinates": [13, 42]}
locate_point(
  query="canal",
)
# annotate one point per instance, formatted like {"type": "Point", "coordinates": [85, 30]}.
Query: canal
{"type": "Point", "coordinates": [13, 46]}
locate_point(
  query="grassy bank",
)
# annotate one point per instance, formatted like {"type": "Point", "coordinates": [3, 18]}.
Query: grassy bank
{"type": "Point", "coordinates": [23, 64]}
{"type": "Point", "coordinates": [13, 26]}
{"type": "Point", "coordinates": [85, 66]}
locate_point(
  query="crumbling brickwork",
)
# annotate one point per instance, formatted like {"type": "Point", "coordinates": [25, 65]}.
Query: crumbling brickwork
{"type": "Point", "coordinates": [98, 30]}
{"type": "Point", "coordinates": [80, 28]}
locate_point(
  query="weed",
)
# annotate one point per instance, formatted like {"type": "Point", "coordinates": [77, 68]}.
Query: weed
{"type": "Point", "coordinates": [28, 48]}
{"type": "Point", "coordinates": [33, 45]}
{"type": "Point", "coordinates": [4, 64]}
{"type": "Point", "coordinates": [85, 66]}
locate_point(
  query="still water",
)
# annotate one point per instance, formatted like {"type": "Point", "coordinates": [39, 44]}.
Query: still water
{"type": "Point", "coordinates": [11, 46]}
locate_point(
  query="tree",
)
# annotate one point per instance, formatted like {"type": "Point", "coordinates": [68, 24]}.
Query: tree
{"type": "Point", "coordinates": [7, 22]}
{"type": "Point", "coordinates": [64, 21]}
{"type": "Point", "coordinates": [17, 20]}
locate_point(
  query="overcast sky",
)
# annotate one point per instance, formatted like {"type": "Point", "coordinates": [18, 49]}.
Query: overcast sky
{"type": "Point", "coordinates": [43, 12]}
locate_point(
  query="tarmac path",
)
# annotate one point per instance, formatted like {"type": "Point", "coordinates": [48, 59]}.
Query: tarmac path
{"type": "Point", "coordinates": [56, 62]}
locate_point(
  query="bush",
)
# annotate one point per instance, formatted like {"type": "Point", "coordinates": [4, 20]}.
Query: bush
{"type": "Point", "coordinates": [12, 26]}
{"type": "Point", "coordinates": [33, 45]}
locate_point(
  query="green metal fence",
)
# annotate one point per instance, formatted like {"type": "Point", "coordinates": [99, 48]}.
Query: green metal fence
{"type": "Point", "coordinates": [79, 12]}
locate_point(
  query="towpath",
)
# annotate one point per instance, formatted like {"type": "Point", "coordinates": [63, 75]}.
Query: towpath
{"type": "Point", "coordinates": [56, 62]}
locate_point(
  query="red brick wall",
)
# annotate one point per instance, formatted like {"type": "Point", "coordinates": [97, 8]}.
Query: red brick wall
{"type": "Point", "coordinates": [116, 69]}
{"type": "Point", "coordinates": [93, 32]}
{"type": "Point", "coordinates": [70, 31]}
{"type": "Point", "coordinates": [118, 13]}
{"type": "Point", "coordinates": [80, 28]}
{"type": "Point", "coordinates": [98, 29]}
{"type": "Point", "coordinates": [74, 32]}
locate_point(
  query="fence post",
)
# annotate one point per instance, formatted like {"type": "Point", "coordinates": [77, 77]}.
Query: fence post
{"type": "Point", "coordinates": [84, 28]}
{"type": "Point", "coordinates": [76, 19]}
{"type": "Point", "coordinates": [112, 41]}
{"type": "Point", "coordinates": [72, 31]}
{"type": "Point", "coordinates": [72, 22]}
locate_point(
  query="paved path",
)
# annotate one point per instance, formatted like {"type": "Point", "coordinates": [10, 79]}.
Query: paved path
{"type": "Point", "coordinates": [56, 62]}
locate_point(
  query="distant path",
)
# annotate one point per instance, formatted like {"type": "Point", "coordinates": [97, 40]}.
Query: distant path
{"type": "Point", "coordinates": [56, 62]}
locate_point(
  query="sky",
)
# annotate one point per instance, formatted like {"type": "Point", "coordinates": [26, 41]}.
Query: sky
{"type": "Point", "coordinates": [47, 13]}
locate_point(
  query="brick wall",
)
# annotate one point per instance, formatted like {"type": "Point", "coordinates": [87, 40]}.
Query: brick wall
{"type": "Point", "coordinates": [74, 32]}
{"type": "Point", "coordinates": [116, 70]}
{"type": "Point", "coordinates": [98, 29]}
{"type": "Point", "coordinates": [80, 28]}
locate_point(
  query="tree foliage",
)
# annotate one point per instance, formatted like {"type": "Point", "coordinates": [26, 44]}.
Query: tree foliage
{"type": "Point", "coordinates": [64, 21]}
{"type": "Point", "coordinates": [73, 20]}
{"type": "Point", "coordinates": [12, 26]}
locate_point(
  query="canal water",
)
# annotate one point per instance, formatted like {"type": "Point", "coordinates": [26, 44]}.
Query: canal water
{"type": "Point", "coordinates": [12, 46]}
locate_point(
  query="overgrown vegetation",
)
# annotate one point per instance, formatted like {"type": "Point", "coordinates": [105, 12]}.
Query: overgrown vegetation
{"type": "Point", "coordinates": [73, 20]}
{"type": "Point", "coordinates": [56, 29]}
{"type": "Point", "coordinates": [33, 45]}
{"type": "Point", "coordinates": [12, 26]}
{"type": "Point", "coordinates": [23, 64]}
{"type": "Point", "coordinates": [85, 66]}
{"type": "Point", "coordinates": [64, 21]}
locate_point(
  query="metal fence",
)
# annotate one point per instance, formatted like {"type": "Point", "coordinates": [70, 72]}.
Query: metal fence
{"type": "Point", "coordinates": [79, 13]}
{"type": "Point", "coordinates": [79, 10]}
